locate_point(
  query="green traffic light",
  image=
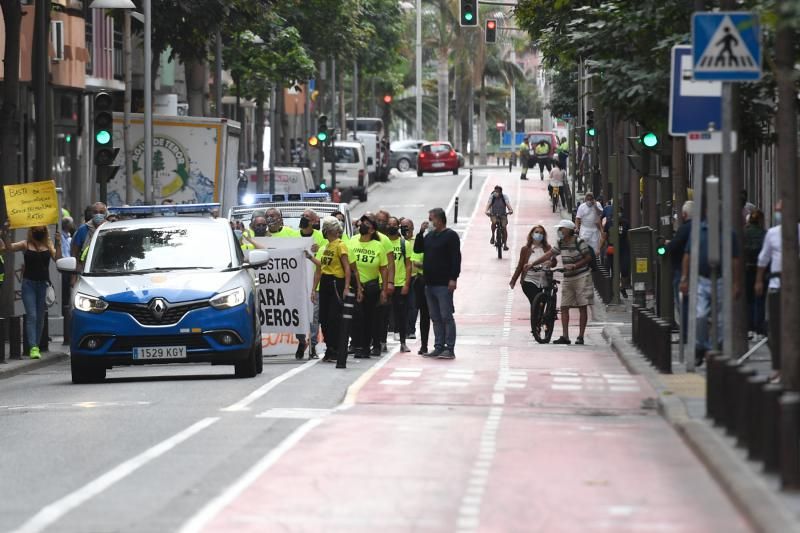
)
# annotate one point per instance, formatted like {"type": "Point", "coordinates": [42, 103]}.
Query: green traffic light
{"type": "Point", "coordinates": [650, 139]}
{"type": "Point", "coordinates": [68, 138]}
{"type": "Point", "coordinates": [468, 16]}
{"type": "Point", "coordinates": [323, 186]}
{"type": "Point", "coordinates": [322, 136]}
{"type": "Point", "coordinates": [662, 250]}
{"type": "Point", "coordinates": [103, 137]}
{"type": "Point", "coordinates": [591, 132]}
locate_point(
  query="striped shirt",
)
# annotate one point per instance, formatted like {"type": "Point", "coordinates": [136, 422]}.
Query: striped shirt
{"type": "Point", "coordinates": [572, 252]}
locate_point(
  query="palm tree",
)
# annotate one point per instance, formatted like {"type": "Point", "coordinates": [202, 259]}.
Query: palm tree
{"type": "Point", "coordinates": [443, 40]}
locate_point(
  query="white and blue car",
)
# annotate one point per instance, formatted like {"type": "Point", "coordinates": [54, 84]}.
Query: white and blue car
{"type": "Point", "coordinates": [164, 289]}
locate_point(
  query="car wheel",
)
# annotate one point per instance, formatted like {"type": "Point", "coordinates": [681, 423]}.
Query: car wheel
{"type": "Point", "coordinates": [247, 368]}
{"type": "Point", "coordinates": [403, 165]}
{"type": "Point", "coordinates": [84, 372]}
{"type": "Point", "coordinates": [419, 173]}
{"type": "Point", "coordinates": [259, 356]}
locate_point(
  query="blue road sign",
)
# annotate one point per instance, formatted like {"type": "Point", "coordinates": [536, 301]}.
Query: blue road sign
{"type": "Point", "coordinates": [692, 104]}
{"type": "Point", "coordinates": [726, 46]}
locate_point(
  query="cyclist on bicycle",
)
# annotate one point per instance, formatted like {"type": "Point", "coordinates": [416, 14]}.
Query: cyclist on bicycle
{"type": "Point", "coordinates": [497, 209]}
{"type": "Point", "coordinates": [557, 176]}
{"type": "Point", "coordinates": [532, 281]}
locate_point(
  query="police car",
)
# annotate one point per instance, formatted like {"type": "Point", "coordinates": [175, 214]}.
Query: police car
{"type": "Point", "coordinates": [291, 207]}
{"type": "Point", "coordinates": [166, 288]}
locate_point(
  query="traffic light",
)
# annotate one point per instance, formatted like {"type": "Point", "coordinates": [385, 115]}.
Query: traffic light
{"type": "Point", "coordinates": [491, 31]}
{"type": "Point", "coordinates": [387, 99]}
{"type": "Point", "coordinates": [103, 122]}
{"type": "Point", "coordinates": [661, 247]}
{"type": "Point", "coordinates": [468, 13]}
{"type": "Point", "coordinates": [590, 130]}
{"type": "Point", "coordinates": [322, 129]}
{"type": "Point", "coordinates": [649, 140]}
{"type": "Point", "coordinates": [313, 142]}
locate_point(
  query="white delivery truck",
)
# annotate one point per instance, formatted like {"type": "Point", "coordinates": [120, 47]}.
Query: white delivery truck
{"type": "Point", "coordinates": [195, 160]}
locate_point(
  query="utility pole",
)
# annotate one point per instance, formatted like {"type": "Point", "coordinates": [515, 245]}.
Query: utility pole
{"type": "Point", "coordinates": [787, 173]}
{"type": "Point", "coordinates": [418, 131]}
{"type": "Point", "coordinates": [126, 120]}
{"type": "Point", "coordinates": [41, 74]}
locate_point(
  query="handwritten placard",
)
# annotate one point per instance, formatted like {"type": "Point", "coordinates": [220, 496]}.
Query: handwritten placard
{"type": "Point", "coordinates": [31, 204]}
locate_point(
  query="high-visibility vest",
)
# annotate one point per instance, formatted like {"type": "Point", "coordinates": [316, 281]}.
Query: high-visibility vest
{"type": "Point", "coordinates": [563, 147]}
{"type": "Point", "coordinates": [245, 244]}
{"type": "Point", "coordinates": [2, 270]}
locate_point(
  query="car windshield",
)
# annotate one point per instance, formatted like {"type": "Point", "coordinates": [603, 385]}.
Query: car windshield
{"type": "Point", "coordinates": [344, 154]}
{"type": "Point", "coordinates": [129, 250]}
{"type": "Point", "coordinates": [536, 139]}
{"type": "Point", "coordinates": [439, 148]}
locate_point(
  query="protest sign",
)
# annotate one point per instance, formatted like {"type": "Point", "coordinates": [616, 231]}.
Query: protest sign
{"type": "Point", "coordinates": [31, 204]}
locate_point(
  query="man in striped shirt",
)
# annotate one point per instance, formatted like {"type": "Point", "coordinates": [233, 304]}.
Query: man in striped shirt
{"type": "Point", "coordinates": [577, 289]}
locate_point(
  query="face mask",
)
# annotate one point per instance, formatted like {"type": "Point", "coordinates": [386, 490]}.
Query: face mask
{"type": "Point", "coordinates": [538, 237]}
{"type": "Point", "coordinates": [777, 217]}
{"type": "Point", "coordinates": [39, 234]}
{"type": "Point", "coordinates": [304, 222]}
{"type": "Point", "coordinates": [382, 227]}
{"type": "Point", "coordinates": [392, 231]}
{"type": "Point", "coordinates": [272, 221]}
{"type": "Point", "coordinates": [317, 226]}
{"type": "Point", "coordinates": [98, 218]}
{"type": "Point", "coordinates": [363, 229]}
{"type": "Point", "coordinates": [260, 230]}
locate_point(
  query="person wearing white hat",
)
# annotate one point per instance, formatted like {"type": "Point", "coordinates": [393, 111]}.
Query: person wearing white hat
{"type": "Point", "coordinates": [576, 289]}
{"type": "Point", "coordinates": [589, 218]}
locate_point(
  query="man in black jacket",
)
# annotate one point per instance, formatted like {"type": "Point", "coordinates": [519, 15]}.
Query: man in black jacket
{"type": "Point", "coordinates": [441, 266]}
{"type": "Point", "coordinates": [675, 250]}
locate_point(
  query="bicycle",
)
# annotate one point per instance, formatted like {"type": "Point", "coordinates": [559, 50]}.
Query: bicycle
{"type": "Point", "coordinates": [499, 241]}
{"type": "Point", "coordinates": [544, 306]}
{"type": "Point", "coordinates": [554, 197]}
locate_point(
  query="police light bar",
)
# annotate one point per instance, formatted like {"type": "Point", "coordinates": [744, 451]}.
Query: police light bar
{"type": "Point", "coordinates": [252, 199]}
{"type": "Point", "coordinates": [154, 210]}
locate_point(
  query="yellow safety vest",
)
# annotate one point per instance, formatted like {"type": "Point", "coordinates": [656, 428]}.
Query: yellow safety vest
{"type": "Point", "coordinates": [2, 269]}
{"type": "Point", "coordinates": [247, 245]}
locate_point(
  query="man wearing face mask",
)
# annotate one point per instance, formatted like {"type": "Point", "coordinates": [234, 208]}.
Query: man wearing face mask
{"type": "Point", "coordinates": [402, 273]}
{"type": "Point", "coordinates": [258, 228]}
{"type": "Point", "coordinates": [309, 228]}
{"type": "Point", "coordinates": [576, 289]}
{"type": "Point", "coordinates": [382, 221]}
{"type": "Point", "coordinates": [83, 237]}
{"type": "Point", "coordinates": [588, 220]}
{"type": "Point", "coordinates": [276, 227]}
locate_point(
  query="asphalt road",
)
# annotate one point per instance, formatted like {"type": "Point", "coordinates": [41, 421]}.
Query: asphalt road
{"type": "Point", "coordinates": [148, 448]}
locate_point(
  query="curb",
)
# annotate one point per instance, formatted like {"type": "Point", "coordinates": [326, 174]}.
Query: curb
{"type": "Point", "coordinates": [749, 493]}
{"type": "Point", "coordinates": [33, 365]}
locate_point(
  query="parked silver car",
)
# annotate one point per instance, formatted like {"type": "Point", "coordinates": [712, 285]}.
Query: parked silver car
{"type": "Point", "coordinates": [403, 154]}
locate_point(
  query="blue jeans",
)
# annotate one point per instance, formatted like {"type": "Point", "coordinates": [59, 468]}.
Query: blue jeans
{"type": "Point", "coordinates": [33, 298]}
{"type": "Point", "coordinates": [704, 312]}
{"type": "Point", "coordinates": [440, 305]}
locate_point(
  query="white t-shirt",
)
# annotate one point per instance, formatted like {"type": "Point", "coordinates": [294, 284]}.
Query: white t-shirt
{"type": "Point", "coordinates": [531, 276]}
{"type": "Point", "coordinates": [771, 254]}
{"type": "Point", "coordinates": [557, 177]}
{"type": "Point", "coordinates": [589, 215]}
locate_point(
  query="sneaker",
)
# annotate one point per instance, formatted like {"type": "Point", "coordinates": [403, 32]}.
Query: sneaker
{"type": "Point", "coordinates": [505, 248]}
{"type": "Point", "coordinates": [361, 354]}
{"type": "Point", "coordinates": [447, 354]}
{"type": "Point", "coordinates": [579, 340]}
{"type": "Point", "coordinates": [491, 241]}
{"type": "Point", "coordinates": [384, 348]}
{"type": "Point", "coordinates": [562, 340]}
{"type": "Point", "coordinates": [436, 352]}
{"type": "Point", "coordinates": [411, 336]}
{"type": "Point", "coordinates": [312, 353]}
{"type": "Point", "coordinates": [624, 292]}
{"type": "Point", "coordinates": [35, 354]}
{"type": "Point", "coordinates": [404, 348]}
{"type": "Point", "coordinates": [375, 352]}
{"type": "Point", "coordinates": [423, 350]}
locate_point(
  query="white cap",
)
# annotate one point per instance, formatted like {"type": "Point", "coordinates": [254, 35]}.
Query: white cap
{"type": "Point", "coordinates": [566, 224]}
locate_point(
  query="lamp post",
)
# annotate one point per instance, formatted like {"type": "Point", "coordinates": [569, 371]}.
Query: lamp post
{"type": "Point", "coordinates": [408, 6]}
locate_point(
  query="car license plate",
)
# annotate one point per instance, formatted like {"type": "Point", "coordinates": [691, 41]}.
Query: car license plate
{"type": "Point", "coordinates": [160, 352]}
{"type": "Point", "coordinates": [438, 164]}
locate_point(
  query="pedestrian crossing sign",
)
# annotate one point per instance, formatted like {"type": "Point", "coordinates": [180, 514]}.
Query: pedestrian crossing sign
{"type": "Point", "coordinates": [726, 46]}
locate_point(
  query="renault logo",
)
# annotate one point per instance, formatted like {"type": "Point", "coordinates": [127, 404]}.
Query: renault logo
{"type": "Point", "coordinates": [158, 307]}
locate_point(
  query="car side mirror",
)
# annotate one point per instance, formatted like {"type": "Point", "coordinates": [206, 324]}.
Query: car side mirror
{"type": "Point", "coordinates": [67, 264]}
{"type": "Point", "coordinates": [257, 258]}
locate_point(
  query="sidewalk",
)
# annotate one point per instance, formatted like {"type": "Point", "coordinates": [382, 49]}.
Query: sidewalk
{"type": "Point", "coordinates": [12, 367]}
{"type": "Point", "coordinates": [682, 402]}
{"type": "Point", "coordinates": [510, 436]}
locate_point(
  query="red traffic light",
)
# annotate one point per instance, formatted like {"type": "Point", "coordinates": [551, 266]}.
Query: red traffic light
{"type": "Point", "coordinates": [387, 99]}
{"type": "Point", "coordinates": [491, 24]}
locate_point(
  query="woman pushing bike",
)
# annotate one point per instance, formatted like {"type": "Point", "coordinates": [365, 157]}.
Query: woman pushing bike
{"type": "Point", "coordinates": [532, 281]}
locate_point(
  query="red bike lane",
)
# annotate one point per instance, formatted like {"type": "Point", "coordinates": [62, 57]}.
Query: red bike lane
{"type": "Point", "coordinates": [509, 436]}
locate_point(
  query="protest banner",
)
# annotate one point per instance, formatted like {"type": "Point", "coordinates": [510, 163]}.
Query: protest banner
{"type": "Point", "coordinates": [31, 204]}
{"type": "Point", "coordinates": [284, 294]}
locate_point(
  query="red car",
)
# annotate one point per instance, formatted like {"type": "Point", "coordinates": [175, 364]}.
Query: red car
{"type": "Point", "coordinates": [437, 156]}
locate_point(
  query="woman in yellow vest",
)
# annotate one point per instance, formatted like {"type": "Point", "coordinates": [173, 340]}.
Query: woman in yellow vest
{"type": "Point", "coordinates": [369, 256]}
{"type": "Point", "coordinates": [333, 278]}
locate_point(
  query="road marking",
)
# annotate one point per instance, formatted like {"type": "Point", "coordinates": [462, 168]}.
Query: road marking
{"type": "Point", "coordinates": [470, 509]}
{"type": "Point", "coordinates": [565, 387]}
{"type": "Point", "coordinates": [242, 405]}
{"type": "Point", "coordinates": [210, 510]}
{"type": "Point", "coordinates": [399, 374]}
{"type": "Point", "coordinates": [396, 382]}
{"type": "Point", "coordinates": [50, 514]}
{"type": "Point", "coordinates": [455, 195]}
{"type": "Point", "coordinates": [297, 413]}
{"type": "Point", "coordinates": [355, 388]}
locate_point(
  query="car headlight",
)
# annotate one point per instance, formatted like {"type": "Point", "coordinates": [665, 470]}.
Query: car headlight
{"type": "Point", "coordinates": [89, 304]}
{"type": "Point", "coordinates": [228, 299]}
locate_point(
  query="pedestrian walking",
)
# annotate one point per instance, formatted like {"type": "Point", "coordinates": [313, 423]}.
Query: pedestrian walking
{"type": "Point", "coordinates": [309, 224]}
{"type": "Point", "coordinates": [369, 256]}
{"type": "Point", "coordinates": [402, 277]}
{"type": "Point", "coordinates": [83, 237]}
{"type": "Point", "coordinates": [675, 250]}
{"type": "Point", "coordinates": [382, 219]}
{"type": "Point", "coordinates": [588, 220]}
{"type": "Point", "coordinates": [418, 259]}
{"type": "Point", "coordinates": [333, 278]}
{"type": "Point", "coordinates": [37, 252]}
{"type": "Point", "coordinates": [577, 289]}
{"type": "Point", "coordinates": [542, 157]}
{"type": "Point", "coordinates": [407, 231]}
{"type": "Point", "coordinates": [532, 282]}
{"type": "Point", "coordinates": [524, 158]}
{"type": "Point", "coordinates": [563, 153]}
{"type": "Point", "coordinates": [442, 267]}
{"type": "Point", "coordinates": [754, 234]}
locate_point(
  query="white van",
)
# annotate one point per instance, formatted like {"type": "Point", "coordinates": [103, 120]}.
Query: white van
{"type": "Point", "coordinates": [371, 144]}
{"type": "Point", "coordinates": [351, 167]}
{"type": "Point", "coordinates": [288, 180]}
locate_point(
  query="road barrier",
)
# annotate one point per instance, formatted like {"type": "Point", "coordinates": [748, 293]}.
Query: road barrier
{"type": "Point", "coordinates": [653, 337]}
{"type": "Point", "coordinates": [601, 277]}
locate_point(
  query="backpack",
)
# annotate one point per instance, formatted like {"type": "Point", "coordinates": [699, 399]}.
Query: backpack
{"type": "Point", "coordinates": [593, 262]}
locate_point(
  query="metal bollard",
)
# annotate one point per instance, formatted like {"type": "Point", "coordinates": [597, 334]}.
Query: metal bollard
{"type": "Point", "coordinates": [752, 410]}
{"type": "Point", "coordinates": [14, 338]}
{"type": "Point", "coordinates": [470, 179]}
{"type": "Point", "coordinates": [770, 416]}
{"type": "Point", "coordinates": [664, 362]}
{"type": "Point", "coordinates": [715, 387]}
{"type": "Point", "coordinates": [790, 440]}
{"type": "Point", "coordinates": [731, 403]}
{"type": "Point", "coordinates": [3, 336]}
{"type": "Point", "coordinates": [635, 324]}
{"type": "Point", "coordinates": [742, 407]}
{"type": "Point", "coordinates": [455, 212]}
{"type": "Point", "coordinates": [510, 165]}
{"type": "Point", "coordinates": [347, 318]}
